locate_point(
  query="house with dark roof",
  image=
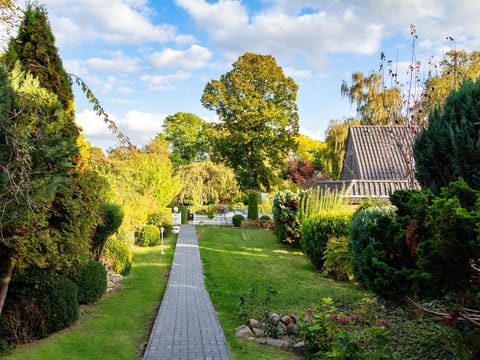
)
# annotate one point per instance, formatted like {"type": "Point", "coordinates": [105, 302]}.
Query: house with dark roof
{"type": "Point", "coordinates": [378, 161]}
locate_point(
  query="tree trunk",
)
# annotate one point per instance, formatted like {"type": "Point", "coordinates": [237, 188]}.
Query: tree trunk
{"type": "Point", "coordinates": [6, 282]}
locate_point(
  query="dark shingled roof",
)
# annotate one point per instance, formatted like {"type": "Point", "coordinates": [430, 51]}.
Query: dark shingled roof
{"type": "Point", "coordinates": [378, 161]}
{"type": "Point", "coordinates": [379, 153]}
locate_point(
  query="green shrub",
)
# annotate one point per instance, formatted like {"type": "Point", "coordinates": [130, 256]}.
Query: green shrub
{"type": "Point", "coordinates": [149, 236]}
{"type": "Point", "coordinates": [112, 216]}
{"type": "Point", "coordinates": [425, 250]}
{"type": "Point", "coordinates": [317, 229]}
{"type": "Point", "coordinates": [160, 218]}
{"type": "Point", "coordinates": [265, 218]}
{"type": "Point", "coordinates": [331, 333]}
{"type": "Point", "coordinates": [237, 220]}
{"type": "Point", "coordinates": [183, 214]}
{"type": "Point", "coordinates": [286, 217]}
{"type": "Point", "coordinates": [91, 279]}
{"type": "Point", "coordinates": [50, 300]}
{"type": "Point", "coordinates": [337, 258]}
{"type": "Point", "coordinates": [118, 256]}
{"type": "Point", "coordinates": [362, 234]}
{"type": "Point", "coordinates": [253, 200]}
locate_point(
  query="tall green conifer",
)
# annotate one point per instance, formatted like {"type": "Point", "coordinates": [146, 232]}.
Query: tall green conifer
{"type": "Point", "coordinates": [35, 48]}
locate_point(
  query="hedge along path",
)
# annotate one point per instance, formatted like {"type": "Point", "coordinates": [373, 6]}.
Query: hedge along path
{"type": "Point", "coordinates": [116, 327]}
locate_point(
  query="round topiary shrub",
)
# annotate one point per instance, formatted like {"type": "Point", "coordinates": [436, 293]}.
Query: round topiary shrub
{"type": "Point", "coordinates": [265, 218]}
{"type": "Point", "coordinates": [118, 256]}
{"type": "Point", "coordinates": [50, 299]}
{"type": "Point", "coordinates": [91, 279]}
{"type": "Point", "coordinates": [149, 236]}
{"type": "Point", "coordinates": [237, 219]}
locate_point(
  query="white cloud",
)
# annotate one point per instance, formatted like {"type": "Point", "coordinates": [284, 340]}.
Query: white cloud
{"type": "Point", "coordinates": [282, 33]}
{"type": "Point", "coordinates": [139, 126]}
{"type": "Point", "coordinates": [195, 57]}
{"type": "Point", "coordinates": [92, 125]}
{"type": "Point", "coordinates": [117, 64]}
{"type": "Point", "coordinates": [113, 21]}
{"type": "Point", "coordinates": [164, 82]}
{"type": "Point", "coordinates": [297, 74]}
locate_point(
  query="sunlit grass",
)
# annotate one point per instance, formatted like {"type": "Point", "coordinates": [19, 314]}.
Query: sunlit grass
{"type": "Point", "coordinates": [118, 325]}
{"type": "Point", "coordinates": [235, 260]}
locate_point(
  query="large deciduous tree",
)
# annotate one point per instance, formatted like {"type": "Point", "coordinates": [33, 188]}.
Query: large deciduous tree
{"type": "Point", "coordinates": [376, 104]}
{"type": "Point", "coordinates": [258, 120]}
{"type": "Point", "coordinates": [188, 135]}
{"type": "Point", "coordinates": [456, 67]}
{"type": "Point", "coordinates": [449, 148]}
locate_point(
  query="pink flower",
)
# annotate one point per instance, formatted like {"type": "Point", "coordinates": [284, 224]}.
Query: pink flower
{"type": "Point", "coordinates": [385, 323]}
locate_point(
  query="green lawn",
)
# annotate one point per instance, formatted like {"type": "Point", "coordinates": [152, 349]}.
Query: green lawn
{"type": "Point", "coordinates": [119, 324]}
{"type": "Point", "coordinates": [235, 260]}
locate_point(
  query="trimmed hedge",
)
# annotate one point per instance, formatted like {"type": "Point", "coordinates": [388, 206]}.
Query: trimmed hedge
{"type": "Point", "coordinates": [118, 256]}
{"type": "Point", "coordinates": [149, 236]}
{"type": "Point", "coordinates": [91, 279]}
{"type": "Point", "coordinates": [49, 302]}
{"type": "Point", "coordinates": [253, 200]}
{"type": "Point", "coordinates": [317, 230]}
{"type": "Point", "coordinates": [237, 219]}
{"type": "Point", "coordinates": [112, 216]}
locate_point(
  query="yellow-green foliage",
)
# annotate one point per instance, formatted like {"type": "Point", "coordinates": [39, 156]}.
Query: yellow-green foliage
{"type": "Point", "coordinates": [316, 200]}
{"type": "Point", "coordinates": [316, 231]}
{"type": "Point", "coordinates": [337, 257]}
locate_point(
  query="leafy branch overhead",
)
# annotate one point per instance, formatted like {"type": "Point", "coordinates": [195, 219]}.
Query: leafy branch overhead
{"type": "Point", "coordinates": [98, 108]}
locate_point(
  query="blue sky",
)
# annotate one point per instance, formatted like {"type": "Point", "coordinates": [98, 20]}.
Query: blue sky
{"type": "Point", "coordinates": [149, 59]}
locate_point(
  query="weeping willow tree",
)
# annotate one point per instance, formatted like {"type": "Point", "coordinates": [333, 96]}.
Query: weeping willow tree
{"type": "Point", "coordinates": [206, 183]}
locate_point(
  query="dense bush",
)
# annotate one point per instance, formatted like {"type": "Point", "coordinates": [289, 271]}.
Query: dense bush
{"type": "Point", "coordinates": [362, 234]}
{"type": "Point", "coordinates": [253, 200]}
{"type": "Point", "coordinates": [91, 280]}
{"type": "Point", "coordinates": [286, 216]}
{"type": "Point", "coordinates": [237, 220]}
{"type": "Point", "coordinates": [317, 229]}
{"type": "Point", "coordinates": [162, 219]}
{"type": "Point", "coordinates": [449, 147]}
{"type": "Point", "coordinates": [39, 304]}
{"type": "Point", "coordinates": [425, 249]}
{"type": "Point", "coordinates": [118, 256]}
{"type": "Point", "coordinates": [149, 236]}
{"type": "Point", "coordinates": [337, 257]}
{"type": "Point", "coordinates": [330, 333]}
{"type": "Point", "coordinates": [112, 216]}
{"type": "Point", "coordinates": [265, 218]}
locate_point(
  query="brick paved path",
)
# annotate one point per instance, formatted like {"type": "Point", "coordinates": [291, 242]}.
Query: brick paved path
{"type": "Point", "coordinates": [187, 326]}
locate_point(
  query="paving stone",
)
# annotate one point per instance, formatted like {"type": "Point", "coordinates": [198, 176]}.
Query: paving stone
{"type": "Point", "coordinates": [186, 327]}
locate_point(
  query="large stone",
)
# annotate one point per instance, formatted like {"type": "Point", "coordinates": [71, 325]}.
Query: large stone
{"type": "Point", "coordinates": [244, 331]}
{"type": "Point", "coordinates": [282, 328]}
{"type": "Point", "coordinates": [253, 324]}
{"type": "Point", "coordinates": [292, 329]}
{"type": "Point", "coordinates": [273, 317]}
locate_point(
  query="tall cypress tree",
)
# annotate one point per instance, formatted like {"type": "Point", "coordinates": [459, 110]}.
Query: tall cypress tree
{"type": "Point", "coordinates": [35, 48]}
